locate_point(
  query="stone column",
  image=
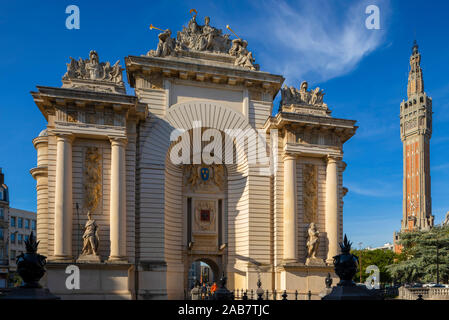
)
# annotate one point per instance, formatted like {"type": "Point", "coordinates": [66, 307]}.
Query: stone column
{"type": "Point", "coordinates": [331, 208]}
{"type": "Point", "coordinates": [63, 198]}
{"type": "Point", "coordinates": [290, 252]}
{"type": "Point", "coordinates": [117, 196]}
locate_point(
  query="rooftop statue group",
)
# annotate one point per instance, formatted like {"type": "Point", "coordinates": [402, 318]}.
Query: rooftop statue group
{"type": "Point", "coordinates": [92, 69]}
{"type": "Point", "coordinates": [291, 95]}
{"type": "Point", "coordinates": [195, 37]}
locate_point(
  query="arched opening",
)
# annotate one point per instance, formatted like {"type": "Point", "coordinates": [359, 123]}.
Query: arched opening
{"type": "Point", "coordinates": [202, 271]}
{"type": "Point", "coordinates": [203, 274]}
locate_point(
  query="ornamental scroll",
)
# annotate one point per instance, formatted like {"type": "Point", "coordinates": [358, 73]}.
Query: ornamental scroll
{"type": "Point", "coordinates": [92, 178]}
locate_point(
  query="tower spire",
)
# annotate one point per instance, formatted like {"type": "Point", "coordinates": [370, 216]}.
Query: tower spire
{"type": "Point", "coordinates": [415, 77]}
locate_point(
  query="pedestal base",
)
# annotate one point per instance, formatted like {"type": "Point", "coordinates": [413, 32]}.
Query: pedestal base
{"type": "Point", "coordinates": [352, 293]}
{"type": "Point", "coordinates": [315, 262]}
{"type": "Point", "coordinates": [89, 258]}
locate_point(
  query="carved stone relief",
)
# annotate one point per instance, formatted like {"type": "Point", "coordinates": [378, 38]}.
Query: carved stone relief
{"type": "Point", "coordinates": [91, 117]}
{"type": "Point", "coordinates": [310, 191]}
{"type": "Point", "coordinates": [72, 116]}
{"type": "Point", "coordinates": [92, 178]}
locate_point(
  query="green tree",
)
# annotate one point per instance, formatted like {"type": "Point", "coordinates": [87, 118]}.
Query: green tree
{"type": "Point", "coordinates": [418, 260]}
{"type": "Point", "coordinates": [379, 258]}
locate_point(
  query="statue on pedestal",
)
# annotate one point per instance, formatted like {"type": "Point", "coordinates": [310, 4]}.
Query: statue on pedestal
{"type": "Point", "coordinates": [313, 241]}
{"type": "Point", "coordinates": [93, 65]}
{"type": "Point", "coordinates": [91, 240]}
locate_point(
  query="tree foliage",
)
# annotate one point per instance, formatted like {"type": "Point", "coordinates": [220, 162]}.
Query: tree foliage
{"type": "Point", "coordinates": [418, 259]}
{"type": "Point", "coordinates": [379, 258]}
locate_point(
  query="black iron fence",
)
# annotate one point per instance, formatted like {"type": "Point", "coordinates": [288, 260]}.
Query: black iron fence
{"type": "Point", "coordinates": [253, 294]}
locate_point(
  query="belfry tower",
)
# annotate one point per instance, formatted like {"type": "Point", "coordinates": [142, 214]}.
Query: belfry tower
{"type": "Point", "coordinates": [416, 131]}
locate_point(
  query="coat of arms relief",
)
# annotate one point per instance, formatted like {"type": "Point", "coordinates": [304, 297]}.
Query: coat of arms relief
{"type": "Point", "coordinates": [205, 215]}
{"type": "Point", "coordinates": [205, 178]}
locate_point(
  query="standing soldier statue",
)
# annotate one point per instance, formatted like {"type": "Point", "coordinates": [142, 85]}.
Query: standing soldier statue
{"type": "Point", "coordinates": [91, 239]}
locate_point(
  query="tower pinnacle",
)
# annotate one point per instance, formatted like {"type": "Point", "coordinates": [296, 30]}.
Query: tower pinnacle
{"type": "Point", "coordinates": [415, 78]}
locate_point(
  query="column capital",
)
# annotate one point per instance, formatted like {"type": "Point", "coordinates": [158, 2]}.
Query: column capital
{"type": "Point", "coordinates": [289, 156]}
{"type": "Point", "coordinates": [116, 141]}
{"type": "Point", "coordinates": [333, 158]}
{"type": "Point", "coordinates": [66, 137]}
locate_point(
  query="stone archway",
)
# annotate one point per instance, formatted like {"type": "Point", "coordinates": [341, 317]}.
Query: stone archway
{"type": "Point", "coordinates": [182, 116]}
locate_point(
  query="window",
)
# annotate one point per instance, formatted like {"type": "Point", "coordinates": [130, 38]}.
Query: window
{"type": "Point", "coordinates": [27, 223]}
{"type": "Point", "coordinates": [19, 238]}
{"type": "Point", "coordinates": [1, 233]}
{"type": "Point", "coordinates": [2, 213]}
{"type": "Point", "coordinates": [13, 238]}
{"type": "Point", "coordinates": [26, 238]}
{"type": "Point", "coordinates": [13, 221]}
{"type": "Point", "coordinates": [2, 194]}
{"type": "Point", "coordinates": [33, 225]}
{"type": "Point", "coordinates": [19, 222]}
{"type": "Point", "coordinates": [13, 255]}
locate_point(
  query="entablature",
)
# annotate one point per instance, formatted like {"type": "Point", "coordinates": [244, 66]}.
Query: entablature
{"type": "Point", "coordinates": [318, 151]}
{"type": "Point", "coordinates": [199, 70]}
{"type": "Point", "coordinates": [70, 111]}
{"type": "Point", "coordinates": [300, 123]}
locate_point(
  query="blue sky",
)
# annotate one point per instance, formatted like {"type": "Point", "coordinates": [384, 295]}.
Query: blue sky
{"type": "Point", "coordinates": [364, 73]}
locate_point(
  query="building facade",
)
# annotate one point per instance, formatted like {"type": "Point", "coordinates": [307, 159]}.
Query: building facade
{"type": "Point", "coordinates": [21, 224]}
{"type": "Point", "coordinates": [193, 167]}
{"type": "Point", "coordinates": [416, 131]}
{"type": "Point", "coordinates": [15, 227]}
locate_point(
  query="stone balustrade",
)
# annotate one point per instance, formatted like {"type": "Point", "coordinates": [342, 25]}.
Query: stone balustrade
{"type": "Point", "coordinates": [426, 293]}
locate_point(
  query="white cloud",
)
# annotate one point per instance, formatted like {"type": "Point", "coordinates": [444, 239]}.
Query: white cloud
{"type": "Point", "coordinates": [376, 189]}
{"type": "Point", "coordinates": [316, 39]}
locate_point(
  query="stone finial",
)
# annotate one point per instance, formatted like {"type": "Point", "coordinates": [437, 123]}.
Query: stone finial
{"type": "Point", "coordinates": [93, 75]}
{"type": "Point", "coordinates": [31, 265]}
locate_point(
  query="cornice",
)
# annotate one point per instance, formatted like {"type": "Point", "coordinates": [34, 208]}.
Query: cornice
{"type": "Point", "coordinates": [200, 70]}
